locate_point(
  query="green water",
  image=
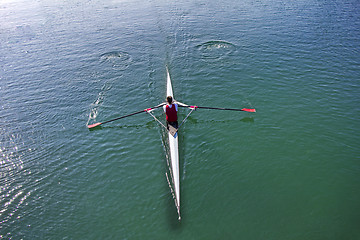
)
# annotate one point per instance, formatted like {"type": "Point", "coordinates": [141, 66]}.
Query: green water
{"type": "Point", "coordinates": [288, 171]}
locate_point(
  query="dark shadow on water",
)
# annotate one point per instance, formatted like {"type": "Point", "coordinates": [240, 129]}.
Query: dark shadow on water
{"type": "Point", "coordinates": [248, 120]}
{"type": "Point", "coordinates": [148, 125]}
{"type": "Point", "coordinates": [196, 121]}
{"type": "Point", "coordinates": [153, 124]}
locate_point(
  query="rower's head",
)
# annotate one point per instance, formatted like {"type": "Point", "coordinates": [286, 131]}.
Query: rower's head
{"type": "Point", "coordinates": [169, 99]}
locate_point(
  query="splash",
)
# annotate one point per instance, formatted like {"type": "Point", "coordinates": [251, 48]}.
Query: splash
{"type": "Point", "coordinates": [94, 107]}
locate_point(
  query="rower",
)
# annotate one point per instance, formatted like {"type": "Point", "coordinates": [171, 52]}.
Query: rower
{"type": "Point", "coordinates": [171, 112]}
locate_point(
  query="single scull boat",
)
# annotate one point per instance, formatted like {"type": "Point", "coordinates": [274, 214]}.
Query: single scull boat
{"type": "Point", "coordinates": [174, 153]}
{"type": "Point", "coordinates": [172, 136]}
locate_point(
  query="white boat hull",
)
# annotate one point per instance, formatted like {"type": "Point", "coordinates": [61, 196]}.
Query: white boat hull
{"type": "Point", "coordinates": [174, 154]}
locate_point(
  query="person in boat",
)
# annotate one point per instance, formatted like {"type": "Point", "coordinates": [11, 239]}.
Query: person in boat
{"type": "Point", "coordinates": [171, 112]}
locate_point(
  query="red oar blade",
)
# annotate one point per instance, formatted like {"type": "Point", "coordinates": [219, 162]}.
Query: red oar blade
{"type": "Point", "coordinates": [248, 110]}
{"type": "Point", "coordinates": [94, 125]}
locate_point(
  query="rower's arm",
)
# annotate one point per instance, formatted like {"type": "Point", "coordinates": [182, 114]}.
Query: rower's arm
{"type": "Point", "coordinates": [181, 104]}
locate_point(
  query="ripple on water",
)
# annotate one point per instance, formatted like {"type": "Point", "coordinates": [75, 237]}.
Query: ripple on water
{"type": "Point", "coordinates": [117, 59]}
{"type": "Point", "coordinates": [215, 50]}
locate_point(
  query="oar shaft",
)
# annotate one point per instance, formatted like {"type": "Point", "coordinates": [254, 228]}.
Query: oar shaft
{"type": "Point", "coordinates": [131, 114]}
{"type": "Point", "coordinates": [216, 108]}
{"type": "Point", "coordinates": [185, 118]}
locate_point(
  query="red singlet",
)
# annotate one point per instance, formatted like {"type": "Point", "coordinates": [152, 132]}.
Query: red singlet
{"type": "Point", "coordinates": [171, 113]}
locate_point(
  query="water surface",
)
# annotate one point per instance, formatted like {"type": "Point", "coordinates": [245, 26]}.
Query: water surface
{"type": "Point", "coordinates": [288, 171]}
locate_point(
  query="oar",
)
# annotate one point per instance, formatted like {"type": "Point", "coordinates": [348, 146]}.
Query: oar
{"type": "Point", "coordinates": [215, 108]}
{"type": "Point", "coordinates": [192, 109]}
{"type": "Point", "coordinates": [131, 114]}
